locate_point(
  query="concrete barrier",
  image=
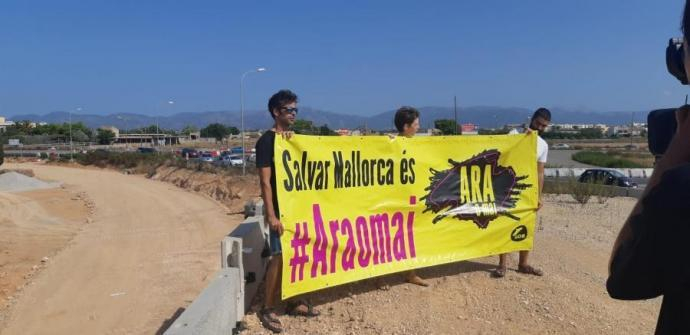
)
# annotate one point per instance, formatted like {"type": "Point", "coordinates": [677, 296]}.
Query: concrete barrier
{"type": "Point", "coordinates": [554, 185]}
{"type": "Point", "coordinates": [244, 249]}
{"type": "Point", "coordinates": [576, 172]}
{"type": "Point", "coordinates": [214, 310]}
{"type": "Point", "coordinates": [222, 304]}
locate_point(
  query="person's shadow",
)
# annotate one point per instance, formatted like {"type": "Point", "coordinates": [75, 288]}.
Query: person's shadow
{"type": "Point", "coordinates": [168, 322]}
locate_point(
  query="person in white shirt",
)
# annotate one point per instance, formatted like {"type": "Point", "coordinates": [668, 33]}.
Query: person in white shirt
{"type": "Point", "coordinates": [540, 120]}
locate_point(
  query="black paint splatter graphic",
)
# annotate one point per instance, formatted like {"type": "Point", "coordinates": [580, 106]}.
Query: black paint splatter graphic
{"type": "Point", "coordinates": [444, 196]}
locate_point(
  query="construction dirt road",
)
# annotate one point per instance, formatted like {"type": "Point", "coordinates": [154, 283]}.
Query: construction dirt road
{"type": "Point", "coordinates": [107, 253]}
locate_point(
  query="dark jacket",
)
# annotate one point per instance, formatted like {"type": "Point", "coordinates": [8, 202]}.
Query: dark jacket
{"type": "Point", "coordinates": [655, 261]}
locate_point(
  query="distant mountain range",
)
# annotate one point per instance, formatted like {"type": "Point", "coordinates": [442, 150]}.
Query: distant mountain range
{"type": "Point", "coordinates": [483, 116]}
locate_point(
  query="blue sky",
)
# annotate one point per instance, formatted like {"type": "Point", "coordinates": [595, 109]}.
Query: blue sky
{"type": "Point", "coordinates": [359, 57]}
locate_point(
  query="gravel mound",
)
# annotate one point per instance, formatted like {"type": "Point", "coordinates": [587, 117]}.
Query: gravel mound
{"type": "Point", "coordinates": [17, 182]}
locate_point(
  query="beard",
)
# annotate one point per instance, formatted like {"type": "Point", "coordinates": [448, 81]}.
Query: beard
{"type": "Point", "coordinates": [539, 132]}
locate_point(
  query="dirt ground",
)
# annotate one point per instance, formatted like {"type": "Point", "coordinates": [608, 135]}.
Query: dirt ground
{"type": "Point", "coordinates": [39, 224]}
{"type": "Point", "coordinates": [127, 254]}
{"type": "Point", "coordinates": [572, 246]}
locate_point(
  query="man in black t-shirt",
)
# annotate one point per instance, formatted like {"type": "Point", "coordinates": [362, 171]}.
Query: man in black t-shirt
{"type": "Point", "coordinates": [283, 109]}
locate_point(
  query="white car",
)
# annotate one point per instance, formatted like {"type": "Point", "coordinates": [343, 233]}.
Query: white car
{"type": "Point", "coordinates": [560, 146]}
{"type": "Point", "coordinates": [232, 160]}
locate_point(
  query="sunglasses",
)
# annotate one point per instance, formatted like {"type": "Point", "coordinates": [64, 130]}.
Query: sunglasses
{"type": "Point", "coordinates": [286, 110]}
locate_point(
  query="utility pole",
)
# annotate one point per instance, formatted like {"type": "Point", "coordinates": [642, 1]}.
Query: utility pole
{"type": "Point", "coordinates": [71, 147]}
{"type": "Point", "coordinates": [455, 110]}
{"type": "Point", "coordinates": [632, 125]}
{"type": "Point", "coordinates": [242, 131]}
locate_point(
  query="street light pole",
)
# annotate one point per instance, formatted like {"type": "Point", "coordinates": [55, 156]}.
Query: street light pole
{"type": "Point", "coordinates": [455, 110]}
{"type": "Point", "coordinates": [244, 159]}
{"type": "Point", "coordinates": [169, 102]}
{"type": "Point", "coordinates": [71, 155]}
{"type": "Point", "coordinates": [71, 146]}
{"type": "Point", "coordinates": [124, 119]}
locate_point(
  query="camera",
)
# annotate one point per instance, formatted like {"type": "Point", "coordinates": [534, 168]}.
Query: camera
{"type": "Point", "coordinates": [662, 122]}
{"type": "Point", "coordinates": [662, 126]}
{"type": "Point", "coordinates": [674, 60]}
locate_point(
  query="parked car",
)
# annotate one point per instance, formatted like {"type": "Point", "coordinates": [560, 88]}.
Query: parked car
{"type": "Point", "coordinates": [145, 150]}
{"type": "Point", "coordinates": [189, 153]}
{"type": "Point", "coordinates": [606, 177]}
{"type": "Point", "coordinates": [206, 157]}
{"type": "Point", "coordinates": [231, 160]}
{"type": "Point", "coordinates": [236, 150]}
{"type": "Point", "coordinates": [560, 146]}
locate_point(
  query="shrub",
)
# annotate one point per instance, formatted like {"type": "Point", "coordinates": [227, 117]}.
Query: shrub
{"type": "Point", "coordinates": [140, 162]}
{"type": "Point", "coordinates": [581, 192]}
{"type": "Point", "coordinates": [604, 193]}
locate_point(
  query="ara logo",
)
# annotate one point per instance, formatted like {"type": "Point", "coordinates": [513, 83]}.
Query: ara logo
{"type": "Point", "coordinates": [519, 233]}
{"type": "Point", "coordinates": [477, 189]}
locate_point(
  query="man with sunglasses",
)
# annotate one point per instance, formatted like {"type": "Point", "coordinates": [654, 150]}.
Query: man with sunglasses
{"type": "Point", "coordinates": [648, 256]}
{"type": "Point", "coordinates": [283, 109]}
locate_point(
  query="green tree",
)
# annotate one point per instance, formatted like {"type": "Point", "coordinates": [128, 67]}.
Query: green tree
{"type": "Point", "coordinates": [12, 131]}
{"type": "Point", "coordinates": [60, 129]}
{"type": "Point", "coordinates": [47, 129]}
{"type": "Point", "coordinates": [324, 130]}
{"type": "Point", "coordinates": [501, 131]}
{"type": "Point", "coordinates": [215, 130]}
{"type": "Point", "coordinates": [304, 127]}
{"type": "Point", "coordinates": [155, 129]}
{"type": "Point", "coordinates": [2, 151]}
{"type": "Point", "coordinates": [447, 127]}
{"type": "Point", "coordinates": [152, 129]}
{"type": "Point", "coordinates": [105, 136]}
{"type": "Point", "coordinates": [79, 136]}
{"type": "Point", "coordinates": [234, 130]}
{"type": "Point", "coordinates": [188, 129]}
{"type": "Point", "coordinates": [591, 133]}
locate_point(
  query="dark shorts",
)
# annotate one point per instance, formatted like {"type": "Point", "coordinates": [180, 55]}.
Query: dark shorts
{"type": "Point", "coordinates": [274, 242]}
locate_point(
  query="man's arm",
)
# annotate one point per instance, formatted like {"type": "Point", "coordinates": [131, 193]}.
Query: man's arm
{"type": "Point", "coordinates": [267, 195]}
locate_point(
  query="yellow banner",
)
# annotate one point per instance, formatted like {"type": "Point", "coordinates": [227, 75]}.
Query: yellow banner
{"type": "Point", "coordinates": [361, 207]}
